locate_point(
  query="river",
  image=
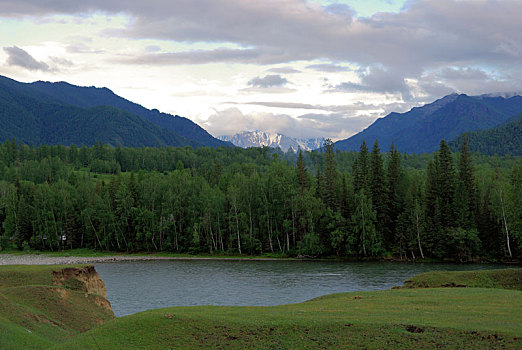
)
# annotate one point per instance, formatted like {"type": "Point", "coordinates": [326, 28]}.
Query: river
{"type": "Point", "coordinates": [143, 285]}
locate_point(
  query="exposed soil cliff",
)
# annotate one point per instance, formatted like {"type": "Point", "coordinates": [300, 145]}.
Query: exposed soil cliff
{"type": "Point", "coordinates": [84, 279]}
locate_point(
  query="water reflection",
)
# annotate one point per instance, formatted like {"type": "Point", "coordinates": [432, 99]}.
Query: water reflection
{"type": "Point", "coordinates": [143, 285]}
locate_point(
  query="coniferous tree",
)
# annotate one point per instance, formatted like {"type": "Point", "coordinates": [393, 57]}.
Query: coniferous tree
{"type": "Point", "coordinates": [466, 196]}
{"type": "Point", "coordinates": [345, 208]}
{"type": "Point", "coordinates": [447, 180]}
{"type": "Point", "coordinates": [331, 176]}
{"type": "Point", "coordinates": [319, 187]}
{"type": "Point", "coordinates": [301, 172]}
{"type": "Point", "coordinates": [393, 175]}
{"type": "Point", "coordinates": [379, 195]}
{"type": "Point", "coordinates": [361, 170]}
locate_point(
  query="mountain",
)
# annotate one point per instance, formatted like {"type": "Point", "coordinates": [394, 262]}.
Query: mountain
{"type": "Point", "coordinates": [422, 128]}
{"type": "Point", "coordinates": [505, 139]}
{"type": "Point", "coordinates": [44, 112]}
{"type": "Point", "coordinates": [260, 138]}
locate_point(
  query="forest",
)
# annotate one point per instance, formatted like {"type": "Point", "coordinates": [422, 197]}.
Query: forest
{"type": "Point", "coordinates": [224, 200]}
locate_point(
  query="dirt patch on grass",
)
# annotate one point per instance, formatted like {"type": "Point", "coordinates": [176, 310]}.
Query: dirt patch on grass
{"type": "Point", "coordinates": [413, 329]}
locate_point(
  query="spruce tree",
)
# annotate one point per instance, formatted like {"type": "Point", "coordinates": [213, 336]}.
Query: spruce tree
{"type": "Point", "coordinates": [393, 175]}
{"type": "Point", "coordinates": [379, 195]}
{"type": "Point", "coordinates": [319, 187]}
{"type": "Point", "coordinates": [331, 176]}
{"type": "Point", "coordinates": [361, 170]}
{"type": "Point", "coordinates": [301, 172]}
{"type": "Point", "coordinates": [446, 179]}
{"type": "Point", "coordinates": [466, 197]}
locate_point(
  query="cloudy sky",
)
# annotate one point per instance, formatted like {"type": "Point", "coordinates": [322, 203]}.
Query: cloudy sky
{"type": "Point", "coordinates": [306, 68]}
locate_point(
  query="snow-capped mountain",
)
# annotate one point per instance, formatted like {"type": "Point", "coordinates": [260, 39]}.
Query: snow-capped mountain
{"type": "Point", "coordinates": [261, 138]}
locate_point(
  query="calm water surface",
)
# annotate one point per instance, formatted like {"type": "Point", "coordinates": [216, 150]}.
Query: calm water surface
{"type": "Point", "coordinates": [144, 285]}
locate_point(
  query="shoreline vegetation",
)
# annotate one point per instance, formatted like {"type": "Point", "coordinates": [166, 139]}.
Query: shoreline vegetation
{"type": "Point", "coordinates": [63, 307]}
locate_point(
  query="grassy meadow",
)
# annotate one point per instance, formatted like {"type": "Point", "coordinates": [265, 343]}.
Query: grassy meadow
{"type": "Point", "coordinates": [465, 310]}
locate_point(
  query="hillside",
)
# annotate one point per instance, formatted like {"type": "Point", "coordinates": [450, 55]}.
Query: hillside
{"type": "Point", "coordinates": [45, 305]}
{"type": "Point", "coordinates": [422, 128]}
{"type": "Point", "coordinates": [54, 113]}
{"type": "Point", "coordinates": [503, 140]}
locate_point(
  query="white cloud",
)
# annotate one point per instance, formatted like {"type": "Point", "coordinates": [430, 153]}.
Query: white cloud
{"type": "Point", "coordinates": [214, 48]}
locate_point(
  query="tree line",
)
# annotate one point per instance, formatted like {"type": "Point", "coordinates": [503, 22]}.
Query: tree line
{"type": "Point", "coordinates": [260, 201]}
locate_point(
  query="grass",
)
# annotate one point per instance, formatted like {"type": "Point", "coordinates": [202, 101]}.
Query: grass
{"type": "Point", "coordinates": [404, 318]}
{"type": "Point", "coordinates": [502, 278]}
{"type": "Point", "coordinates": [34, 314]}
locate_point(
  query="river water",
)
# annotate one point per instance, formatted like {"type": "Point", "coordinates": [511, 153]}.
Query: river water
{"type": "Point", "coordinates": [143, 285]}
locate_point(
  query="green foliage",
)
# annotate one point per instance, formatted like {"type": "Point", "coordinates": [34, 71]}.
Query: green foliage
{"type": "Point", "coordinates": [234, 201]}
{"type": "Point", "coordinates": [505, 139]}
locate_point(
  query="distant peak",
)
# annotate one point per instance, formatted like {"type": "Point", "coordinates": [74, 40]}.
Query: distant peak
{"type": "Point", "coordinates": [258, 138]}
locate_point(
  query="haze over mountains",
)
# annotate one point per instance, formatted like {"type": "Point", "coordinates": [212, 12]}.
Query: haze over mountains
{"type": "Point", "coordinates": [275, 140]}
{"type": "Point", "coordinates": [422, 128]}
{"type": "Point", "coordinates": [53, 113]}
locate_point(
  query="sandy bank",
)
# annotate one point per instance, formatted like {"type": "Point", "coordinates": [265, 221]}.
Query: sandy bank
{"type": "Point", "coordinates": [42, 259]}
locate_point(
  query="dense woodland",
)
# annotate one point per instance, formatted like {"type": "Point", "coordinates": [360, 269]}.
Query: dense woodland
{"type": "Point", "coordinates": [502, 140]}
{"type": "Point", "coordinates": [260, 201]}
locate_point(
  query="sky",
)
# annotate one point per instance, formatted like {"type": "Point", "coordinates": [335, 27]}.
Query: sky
{"type": "Point", "coordinates": [316, 68]}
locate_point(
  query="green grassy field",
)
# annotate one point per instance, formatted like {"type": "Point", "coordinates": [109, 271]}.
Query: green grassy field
{"type": "Point", "coordinates": [38, 310]}
{"type": "Point", "coordinates": [504, 278]}
{"type": "Point", "coordinates": [405, 318]}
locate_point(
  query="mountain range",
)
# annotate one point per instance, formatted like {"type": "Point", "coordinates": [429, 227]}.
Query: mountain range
{"type": "Point", "coordinates": [61, 113]}
{"type": "Point", "coordinates": [52, 113]}
{"type": "Point", "coordinates": [421, 129]}
{"type": "Point", "coordinates": [275, 140]}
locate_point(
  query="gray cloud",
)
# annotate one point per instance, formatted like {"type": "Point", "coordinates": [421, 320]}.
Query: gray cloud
{"type": "Point", "coordinates": [427, 36]}
{"type": "Point", "coordinates": [59, 61]}
{"type": "Point", "coordinates": [283, 70]}
{"type": "Point", "coordinates": [253, 56]}
{"type": "Point", "coordinates": [377, 80]}
{"type": "Point", "coordinates": [468, 80]}
{"type": "Point", "coordinates": [153, 48]}
{"type": "Point", "coordinates": [19, 57]}
{"type": "Point", "coordinates": [328, 67]}
{"type": "Point", "coordinates": [358, 106]}
{"type": "Point", "coordinates": [271, 80]}
{"type": "Point", "coordinates": [427, 32]}
{"type": "Point", "coordinates": [81, 47]}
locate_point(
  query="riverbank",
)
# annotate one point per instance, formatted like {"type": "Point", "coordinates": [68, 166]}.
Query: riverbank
{"type": "Point", "coordinates": [86, 256]}
{"type": "Point", "coordinates": [48, 259]}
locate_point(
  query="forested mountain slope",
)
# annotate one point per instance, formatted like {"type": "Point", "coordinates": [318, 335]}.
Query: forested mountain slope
{"type": "Point", "coordinates": [505, 139]}
{"type": "Point", "coordinates": [66, 114]}
{"type": "Point", "coordinates": [91, 97]}
{"type": "Point", "coordinates": [421, 129]}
